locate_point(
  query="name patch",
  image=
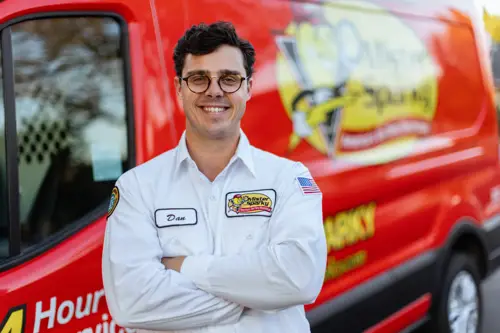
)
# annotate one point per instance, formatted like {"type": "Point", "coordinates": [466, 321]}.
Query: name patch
{"type": "Point", "coordinates": [174, 217]}
{"type": "Point", "coordinates": [250, 203]}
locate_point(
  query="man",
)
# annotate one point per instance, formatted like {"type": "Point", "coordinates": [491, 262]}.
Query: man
{"type": "Point", "coordinates": [214, 235]}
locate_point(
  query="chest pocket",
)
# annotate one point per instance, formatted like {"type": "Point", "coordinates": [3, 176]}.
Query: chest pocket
{"type": "Point", "coordinates": [180, 232]}
{"type": "Point", "coordinates": [248, 214]}
{"type": "Point", "coordinates": [246, 233]}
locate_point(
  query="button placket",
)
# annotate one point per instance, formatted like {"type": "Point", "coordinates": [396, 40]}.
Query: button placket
{"type": "Point", "coordinates": [214, 196]}
{"type": "Point", "coordinates": [214, 203]}
{"type": "Point", "coordinates": [200, 188]}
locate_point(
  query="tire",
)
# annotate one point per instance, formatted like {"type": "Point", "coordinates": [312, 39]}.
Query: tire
{"type": "Point", "coordinates": [461, 276]}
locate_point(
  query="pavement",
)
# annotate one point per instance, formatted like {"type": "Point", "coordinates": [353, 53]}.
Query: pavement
{"type": "Point", "coordinates": [491, 304]}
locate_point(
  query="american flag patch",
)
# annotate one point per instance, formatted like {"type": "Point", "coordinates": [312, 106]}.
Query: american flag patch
{"type": "Point", "coordinates": [308, 185]}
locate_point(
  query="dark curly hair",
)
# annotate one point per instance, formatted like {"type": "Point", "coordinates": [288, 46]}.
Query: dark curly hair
{"type": "Point", "coordinates": [203, 39]}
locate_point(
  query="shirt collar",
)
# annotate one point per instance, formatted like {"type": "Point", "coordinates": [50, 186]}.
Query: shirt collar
{"type": "Point", "coordinates": [243, 152]}
{"type": "Point", "coordinates": [182, 151]}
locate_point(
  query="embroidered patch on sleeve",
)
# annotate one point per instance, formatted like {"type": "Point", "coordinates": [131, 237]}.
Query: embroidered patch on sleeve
{"type": "Point", "coordinates": [308, 185]}
{"type": "Point", "coordinates": [250, 203]}
{"type": "Point", "coordinates": [115, 197]}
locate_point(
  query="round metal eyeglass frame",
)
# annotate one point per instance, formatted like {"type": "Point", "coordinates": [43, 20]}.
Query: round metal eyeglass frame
{"type": "Point", "coordinates": [241, 78]}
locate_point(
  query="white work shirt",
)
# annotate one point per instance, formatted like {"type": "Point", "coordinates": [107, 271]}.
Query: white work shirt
{"type": "Point", "coordinates": [254, 240]}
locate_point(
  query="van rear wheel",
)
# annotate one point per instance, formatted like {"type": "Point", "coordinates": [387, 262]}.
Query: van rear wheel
{"type": "Point", "coordinates": [459, 308]}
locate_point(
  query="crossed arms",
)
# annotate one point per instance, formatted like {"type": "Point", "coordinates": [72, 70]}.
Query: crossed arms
{"type": "Point", "coordinates": [145, 292]}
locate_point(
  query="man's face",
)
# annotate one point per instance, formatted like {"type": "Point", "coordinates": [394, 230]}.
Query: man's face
{"type": "Point", "coordinates": [214, 113]}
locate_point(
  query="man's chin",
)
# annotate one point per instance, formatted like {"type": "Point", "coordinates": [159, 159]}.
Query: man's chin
{"type": "Point", "coordinates": [219, 133]}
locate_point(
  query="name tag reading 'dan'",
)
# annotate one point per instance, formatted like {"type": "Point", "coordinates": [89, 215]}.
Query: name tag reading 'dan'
{"type": "Point", "coordinates": [172, 217]}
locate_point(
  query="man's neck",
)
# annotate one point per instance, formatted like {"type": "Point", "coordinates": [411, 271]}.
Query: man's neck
{"type": "Point", "coordinates": [211, 155]}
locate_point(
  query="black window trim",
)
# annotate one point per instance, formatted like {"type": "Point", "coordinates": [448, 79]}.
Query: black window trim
{"type": "Point", "coordinates": [16, 258]}
{"type": "Point", "coordinates": [11, 154]}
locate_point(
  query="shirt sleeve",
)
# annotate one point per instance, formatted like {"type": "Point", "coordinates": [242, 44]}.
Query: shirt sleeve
{"type": "Point", "coordinates": [139, 291]}
{"type": "Point", "coordinates": [288, 271]}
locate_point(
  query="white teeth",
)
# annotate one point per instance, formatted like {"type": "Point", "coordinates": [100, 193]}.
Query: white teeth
{"type": "Point", "coordinates": [213, 109]}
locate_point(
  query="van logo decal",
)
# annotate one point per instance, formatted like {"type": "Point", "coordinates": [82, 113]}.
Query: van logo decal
{"type": "Point", "coordinates": [358, 85]}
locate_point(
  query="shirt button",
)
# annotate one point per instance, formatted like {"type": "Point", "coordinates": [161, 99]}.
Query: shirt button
{"type": "Point", "coordinates": [212, 197]}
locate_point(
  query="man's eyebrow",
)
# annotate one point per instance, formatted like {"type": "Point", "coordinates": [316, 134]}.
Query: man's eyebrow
{"type": "Point", "coordinates": [222, 71]}
{"type": "Point", "coordinates": [229, 71]}
{"type": "Point", "coordinates": [198, 71]}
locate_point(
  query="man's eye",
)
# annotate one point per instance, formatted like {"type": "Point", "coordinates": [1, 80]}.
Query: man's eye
{"type": "Point", "coordinates": [198, 79]}
{"type": "Point", "coordinates": [229, 79]}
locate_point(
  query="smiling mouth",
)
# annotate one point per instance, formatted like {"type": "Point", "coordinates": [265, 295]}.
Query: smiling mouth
{"type": "Point", "coordinates": [214, 109]}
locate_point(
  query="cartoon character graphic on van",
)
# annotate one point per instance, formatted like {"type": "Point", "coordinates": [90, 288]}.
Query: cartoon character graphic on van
{"type": "Point", "coordinates": [354, 90]}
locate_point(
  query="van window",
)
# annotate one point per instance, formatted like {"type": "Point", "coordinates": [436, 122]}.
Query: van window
{"type": "Point", "coordinates": [71, 120]}
{"type": "Point", "coordinates": [4, 229]}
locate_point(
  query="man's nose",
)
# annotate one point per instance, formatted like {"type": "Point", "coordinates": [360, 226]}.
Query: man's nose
{"type": "Point", "coordinates": [214, 90]}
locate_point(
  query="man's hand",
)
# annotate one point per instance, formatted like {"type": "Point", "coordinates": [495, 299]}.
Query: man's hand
{"type": "Point", "coordinates": [174, 263]}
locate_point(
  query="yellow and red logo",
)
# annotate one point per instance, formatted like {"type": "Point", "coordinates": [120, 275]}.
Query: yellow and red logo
{"type": "Point", "coordinates": [250, 203]}
{"type": "Point", "coordinates": [115, 197]}
{"type": "Point", "coordinates": [357, 82]}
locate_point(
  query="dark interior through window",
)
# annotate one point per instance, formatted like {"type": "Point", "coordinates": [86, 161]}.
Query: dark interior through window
{"type": "Point", "coordinates": [71, 122]}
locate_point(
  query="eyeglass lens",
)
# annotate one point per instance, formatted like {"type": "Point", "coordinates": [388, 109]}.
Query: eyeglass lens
{"type": "Point", "coordinates": [228, 83]}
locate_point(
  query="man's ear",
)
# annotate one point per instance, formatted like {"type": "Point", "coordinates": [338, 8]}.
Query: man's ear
{"type": "Point", "coordinates": [178, 90]}
{"type": "Point", "coordinates": [178, 85]}
{"type": "Point", "coordinates": [249, 88]}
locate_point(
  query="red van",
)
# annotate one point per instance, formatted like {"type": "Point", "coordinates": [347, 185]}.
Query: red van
{"type": "Point", "coordinates": [390, 104]}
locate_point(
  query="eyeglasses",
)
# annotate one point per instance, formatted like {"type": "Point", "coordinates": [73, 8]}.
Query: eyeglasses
{"type": "Point", "coordinates": [228, 83]}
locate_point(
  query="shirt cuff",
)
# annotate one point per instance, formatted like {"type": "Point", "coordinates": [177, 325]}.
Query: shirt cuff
{"type": "Point", "coordinates": [196, 269]}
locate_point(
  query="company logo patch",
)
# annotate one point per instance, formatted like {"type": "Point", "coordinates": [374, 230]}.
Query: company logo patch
{"type": "Point", "coordinates": [250, 203]}
{"type": "Point", "coordinates": [115, 197]}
